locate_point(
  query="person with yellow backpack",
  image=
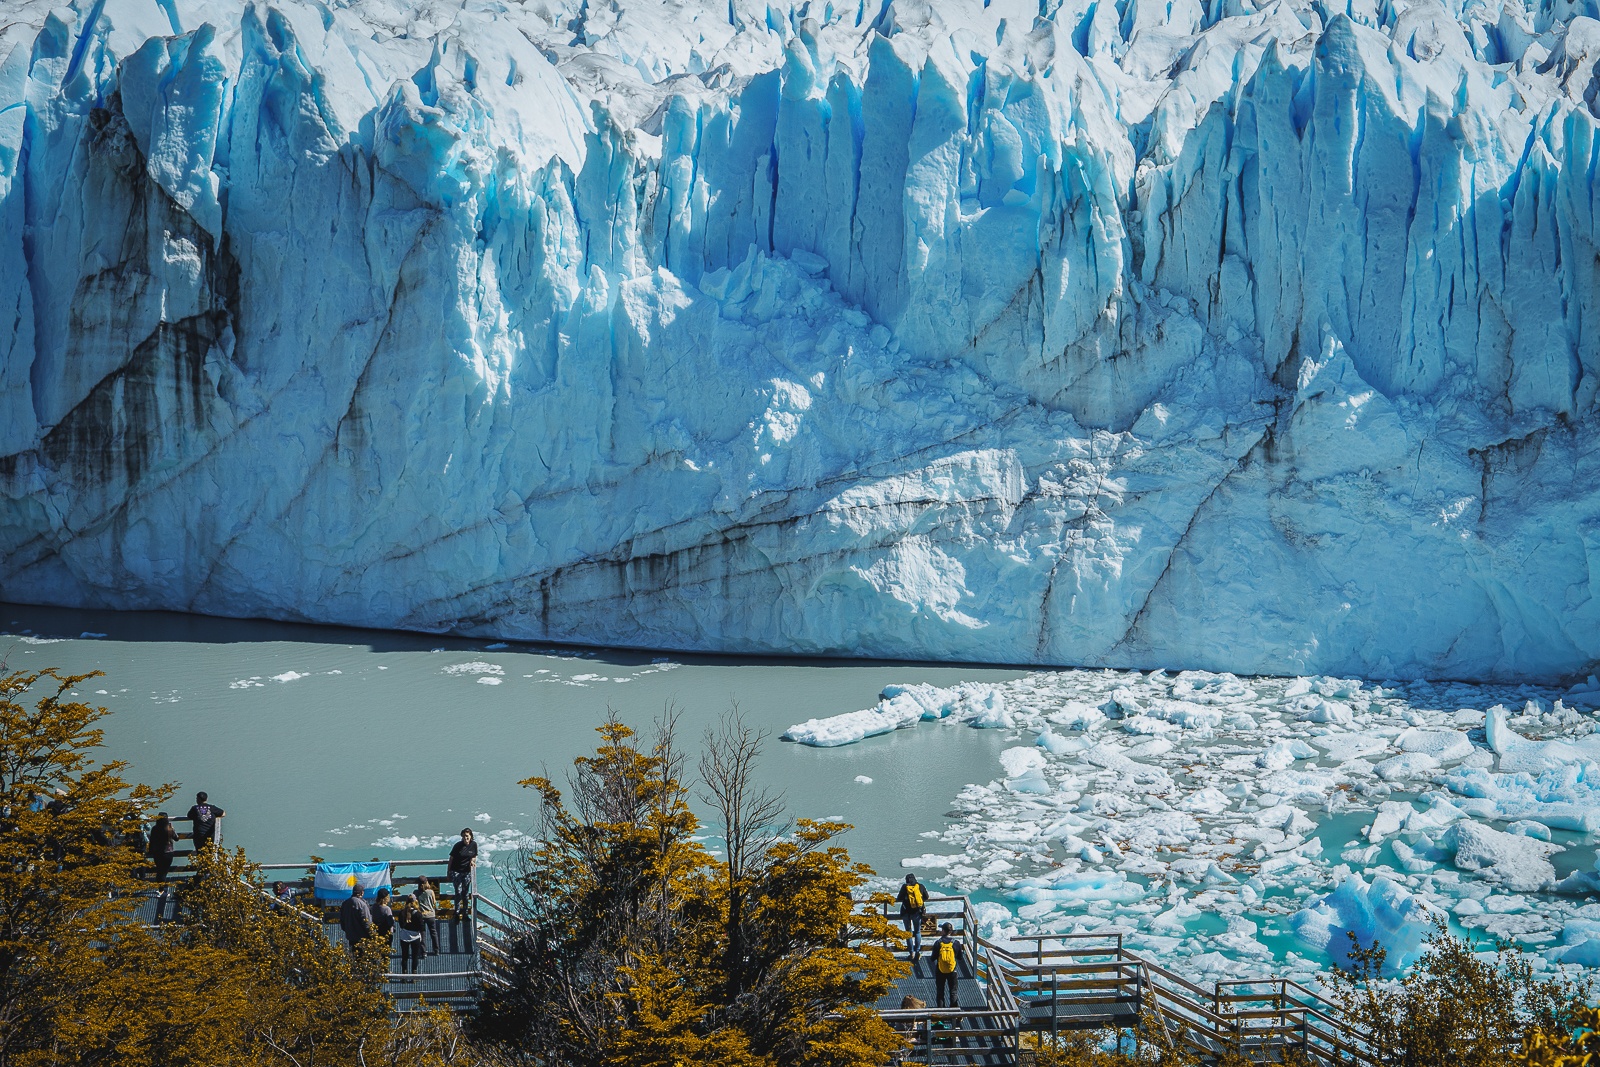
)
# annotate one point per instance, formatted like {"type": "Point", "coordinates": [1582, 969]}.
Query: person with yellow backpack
{"type": "Point", "coordinates": [913, 906]}
{"type": "Point", "coordinates": [948, 954]}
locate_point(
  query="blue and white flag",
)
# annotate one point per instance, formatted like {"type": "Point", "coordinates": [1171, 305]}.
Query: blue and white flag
{"type": "Point", "coordinates": [338, 881]}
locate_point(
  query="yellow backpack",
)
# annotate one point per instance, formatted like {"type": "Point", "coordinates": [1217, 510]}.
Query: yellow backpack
{"type": "Point", "coordinates": [914, 897]}
{"type": "Point", "coordinates": [947, 957]}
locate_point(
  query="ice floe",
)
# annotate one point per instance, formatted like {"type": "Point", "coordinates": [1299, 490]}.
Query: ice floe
{"type": "Point", "coordinates": [1248, 825]}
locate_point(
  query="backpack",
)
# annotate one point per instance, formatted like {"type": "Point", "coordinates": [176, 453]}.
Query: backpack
{"type": "Point", "coordinates": [914, 897]}
{"type": "Point", "coordinates": [947, 957]}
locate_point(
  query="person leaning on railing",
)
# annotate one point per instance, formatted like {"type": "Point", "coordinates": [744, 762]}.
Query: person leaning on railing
{"type": "Point", "coordinates": [463, 869]}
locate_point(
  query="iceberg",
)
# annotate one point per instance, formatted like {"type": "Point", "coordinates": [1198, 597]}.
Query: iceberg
{"type": "Point", "coordinates": [1255, 337]}
{"type": "Point", "coordinates": [1381, 912]}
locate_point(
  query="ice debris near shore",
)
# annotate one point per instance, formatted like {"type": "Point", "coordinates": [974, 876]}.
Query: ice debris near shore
{"type": "Point", "coordinates": [1248, 825]}
{"type": "Point", "coordinates": [1255, 335]}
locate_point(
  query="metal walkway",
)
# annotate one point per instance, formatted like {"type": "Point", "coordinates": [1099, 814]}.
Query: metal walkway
{"type": "Point", "coordinates": [471, 932]}
{"type": "Point", "coordinates": [1042, 984]}
{"type": "Point", "coordinates": [1051, 983]}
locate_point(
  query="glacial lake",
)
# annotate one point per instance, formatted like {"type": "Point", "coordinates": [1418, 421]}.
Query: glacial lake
{"type": "Point", "coordinates": [1213, 816]}
{"type": "Point", "coordinates": [347, 744]}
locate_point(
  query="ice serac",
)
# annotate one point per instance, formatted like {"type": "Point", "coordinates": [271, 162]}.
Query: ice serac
{"type": "Point", "coordinates": [1253, 336]}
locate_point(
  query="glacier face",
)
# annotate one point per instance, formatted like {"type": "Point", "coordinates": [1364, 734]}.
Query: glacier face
{"type": "Point", "coordinates": [1232, 335]}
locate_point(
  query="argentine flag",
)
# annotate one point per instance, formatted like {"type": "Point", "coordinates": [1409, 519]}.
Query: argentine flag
{"type": "Point", "coordinates": [337, 881]}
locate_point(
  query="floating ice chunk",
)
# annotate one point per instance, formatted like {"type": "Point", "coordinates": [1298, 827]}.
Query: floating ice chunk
{"type": "Point", "coordinates": [1076, 715]}
{"type": "Point", "coordinates": [1446, 746]}
{"type": "Point", "coordinates": [1518, 753]}
{"type": "Point", "coordinates": [1521, 864]}
{"type": "Point", "coordinates": [898, 706]}
{"type": "Point", "coordinates": [1439, 815]}
{"type": "Point", "coordinates": [1340, 748]}
{"type": "Point", "coordinates": [395, 841]}
{"type": "Point", "coordinates": [1563, 797]}
{"type": "Point", "coordinates": [1314, 708]}
{"type": "Point", "coordinates": [989, 712]}
{"type": "Point", "coordinates": [1580, 940]}
{"type": "Point", "coordinates": [1383, 911]}
{"type": "Point", "coordinates": [1207, 801]}
{"type": "Point", "coordinates": [1069, 886]}
{"type": "Point", "coordinates": [289, 676]}
{"type": "Point", "coordinates": [1391, 818]}
{"type": "Point", "coordinates": [1282, 754]}
{"type": "Point", "coordinates": [1146, 724]}
{"type": "Point", "coordinates": [1529, 828]}
{"type": "Point", "coordinates": [1024, 770]}
{"type": "Point", "coordinates": [1406, 765]}
{"type": "Point", "coordinates": [475, 667]}
{"type": "Point", "coordinates": [1021, 760]}
{"type": "Point", "coordinates": [863, 779]}
{"type": "Point", "coordinates": [482, 816]}
{"type": "Point", "coordinates": [1202, 687]}
{"type": "Point", "coordinates": [1411, 861]}
{"type": "Point", "coordinates": [1057, 745]}
{"type": "Point", "coordinates": [1584, 954]}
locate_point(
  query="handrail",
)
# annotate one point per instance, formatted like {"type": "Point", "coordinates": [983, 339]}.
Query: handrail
{"type": "Point", "coordinates": [1204, 1020]}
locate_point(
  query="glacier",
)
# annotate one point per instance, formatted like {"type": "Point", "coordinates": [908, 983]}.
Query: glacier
{"type": "Point", "coordinates": [1241, 336]}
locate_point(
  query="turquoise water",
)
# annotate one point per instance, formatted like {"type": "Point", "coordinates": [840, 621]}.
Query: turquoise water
{"type": "Point", "coordinates": [380, 735]}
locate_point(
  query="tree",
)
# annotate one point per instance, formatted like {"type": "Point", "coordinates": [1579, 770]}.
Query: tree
{"type": "Point", "coordinates": [235, 981]}
{"type": "Point", "coordinates": [67, 880]}
{"type": "Point", "coordinates": [643, 949]}
{"type": "Point", "coordinates": [1454, 1008]}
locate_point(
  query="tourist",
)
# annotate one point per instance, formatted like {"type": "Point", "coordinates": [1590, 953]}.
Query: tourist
{"type": "Point", "coordinates": [355, 919]}
{"type": "Point", "coordinates": [411, 947]}
{"type": "Point", "coordinates": [913, 906]}
{"type": "Point", "coordinates": [282, 895]}
{"type": "Point", "coordinates": [428, 909]}
{"type": "Point", "coordinates": [947, 955]}
{"type": "Point", "coordinates": [383, 922]}
{"type": "Point", "coordinates": [203, 817]}
{"type": "Point", "coordinates": [163, 843]}
{"type": "Point", "coordinates": [463, 866]}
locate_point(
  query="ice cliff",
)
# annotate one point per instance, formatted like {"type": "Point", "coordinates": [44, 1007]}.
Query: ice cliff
{"type": "Point", "coordinates": [1258, 337]}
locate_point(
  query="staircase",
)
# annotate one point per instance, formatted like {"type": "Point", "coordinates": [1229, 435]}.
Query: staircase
{"type": "Point", "coordinates": [1053, 982]}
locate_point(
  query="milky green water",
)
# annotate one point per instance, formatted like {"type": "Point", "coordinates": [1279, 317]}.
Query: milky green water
{"type": "Point", "coordinates": [301, 732]}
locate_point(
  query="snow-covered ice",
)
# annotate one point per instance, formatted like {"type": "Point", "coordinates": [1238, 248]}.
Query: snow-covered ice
{"type": "Point", "coordinates": [1256, 839]}
{"type": "Point", "coordinates": [1254, 336]}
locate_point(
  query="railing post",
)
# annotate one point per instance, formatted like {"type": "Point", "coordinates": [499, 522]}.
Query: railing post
{"type": "Point", "coordinates": [1055, 1007]}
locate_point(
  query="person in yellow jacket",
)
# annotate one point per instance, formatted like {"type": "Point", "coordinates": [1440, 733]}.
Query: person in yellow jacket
{"type": "Point", "coordinates": [947, 956]}
{"type": "Point", "coordinates": [913, 906]}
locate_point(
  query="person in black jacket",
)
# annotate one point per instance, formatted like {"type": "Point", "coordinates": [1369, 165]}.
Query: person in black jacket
{"type": "Point", "coordinates": [163, 843]}
{"type": "Point", "coordinates": [947, 955]}
{"type": "Point", "coordinates": [913, 906]}
{"type": "Point", "coordinates": [203, 817]}
{"type": "Point", "coordinates": [355, 919]}
{"type": "Point", "coordinates": [463, 867]}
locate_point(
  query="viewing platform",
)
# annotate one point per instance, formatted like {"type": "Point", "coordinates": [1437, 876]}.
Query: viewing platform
{"type": "Point", "coordinates": [473, 932]}
{"type": "Point", "coordinates": [1043, 984]}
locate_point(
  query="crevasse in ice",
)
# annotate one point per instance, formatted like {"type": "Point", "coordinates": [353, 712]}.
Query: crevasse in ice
{"type": "Point", "coordinates": [1257, 336]}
